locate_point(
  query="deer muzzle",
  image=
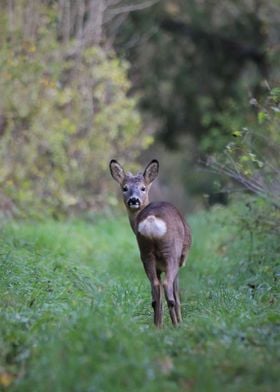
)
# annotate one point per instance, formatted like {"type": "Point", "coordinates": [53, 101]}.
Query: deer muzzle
{"type": "Point", "coordinates": [134, 202]}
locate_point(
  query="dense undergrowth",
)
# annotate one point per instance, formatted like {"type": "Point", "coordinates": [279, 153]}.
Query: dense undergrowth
{"type": "Point", "coordinates": [76, 314]}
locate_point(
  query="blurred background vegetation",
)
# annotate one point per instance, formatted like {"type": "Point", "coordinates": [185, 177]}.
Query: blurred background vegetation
{"type": "Point", "coordinates": [193, 83]}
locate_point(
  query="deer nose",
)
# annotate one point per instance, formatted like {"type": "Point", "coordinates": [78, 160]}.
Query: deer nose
{"type": "Point", "coordinates": [133, 201]}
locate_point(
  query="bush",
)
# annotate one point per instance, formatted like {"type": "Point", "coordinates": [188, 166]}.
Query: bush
{"type": "Point", "coordinates": [251, 159]}
{"type": "Point", "coordinates": [64, 114]}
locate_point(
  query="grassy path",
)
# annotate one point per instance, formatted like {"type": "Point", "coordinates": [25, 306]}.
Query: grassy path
{"type": "Point", "coordinates": [76, 315]}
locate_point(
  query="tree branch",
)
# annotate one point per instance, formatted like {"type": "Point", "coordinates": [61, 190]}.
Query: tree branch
{"type": "Point", "coordinates": [130, 8]}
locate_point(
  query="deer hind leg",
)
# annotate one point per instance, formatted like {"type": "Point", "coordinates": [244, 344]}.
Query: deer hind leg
{"type": "Point", "coordinates": [177, 299]}
{"type": "Point", "coordinates": [168, 285]}
{"type": "Point", "coordinates": [154, 277]}
{"type": "Point", "coordinates": [157, 303]}
{"type": "Point", "coordinates": [159, 311]}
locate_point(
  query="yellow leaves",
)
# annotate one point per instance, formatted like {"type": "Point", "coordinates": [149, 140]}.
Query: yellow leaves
{"type": "Point", "coordinates": [66, 126]}
{"type": "Point", "coordinates": [245, 158]}
{"type": "Point", "coordinates": [247, 172]}
{"type": "Point", "coordinates": [48, 83]}
{"type": "Point", "coordinates": [262, 116]}
{"type": "Point", "coordinates": [70, 117]}
{"type": "Point", "coordinates": [6, 378]}
{"type": "Point", "coordinates": [245, 161]}
{"type": "Point", "coordinates": [236, 133]}
{"type": "Point", "coordinates": [29, 46]}
{"type": "Point", "coordinates": [64, 96]}
{"type": "Point", "coordinates": [148, 141]}
{"type": "Point", "coordinates": [68, 199]}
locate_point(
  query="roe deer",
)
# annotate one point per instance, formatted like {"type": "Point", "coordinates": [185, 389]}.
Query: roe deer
{"type": "Point", "coordinates": [162, 235]}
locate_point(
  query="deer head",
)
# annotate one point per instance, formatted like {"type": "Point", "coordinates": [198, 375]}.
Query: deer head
{"type": "Point", "coordinates": [135, 188]}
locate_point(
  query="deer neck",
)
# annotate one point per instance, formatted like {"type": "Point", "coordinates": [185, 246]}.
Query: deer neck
{"type": "Point", "coordinates": [132, 216]}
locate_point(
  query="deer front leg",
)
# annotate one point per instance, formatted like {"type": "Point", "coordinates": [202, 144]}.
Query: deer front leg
{"type": "Point", "coordinates": [154, 277]}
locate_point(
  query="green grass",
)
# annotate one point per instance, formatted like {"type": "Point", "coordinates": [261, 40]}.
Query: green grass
{"type": "Point", "coordinates": [76, 314]}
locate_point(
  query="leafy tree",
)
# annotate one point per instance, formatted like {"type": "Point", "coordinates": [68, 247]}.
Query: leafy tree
{"type": "Point", "coordinates": [65, 112]}
{"type": "Point", "coordinates": [199, 62]}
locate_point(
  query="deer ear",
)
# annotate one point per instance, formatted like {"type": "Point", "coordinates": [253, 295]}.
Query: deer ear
{"type": "Point", "coordinates": [151, 171]}
{"type": "Point", "coordinates": [117, 171]}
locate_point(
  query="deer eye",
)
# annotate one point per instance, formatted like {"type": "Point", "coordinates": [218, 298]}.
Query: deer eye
{"type": "Point", "coordinates": [143, 189]}
{"type": "Point", "coordinates": [125, 188]}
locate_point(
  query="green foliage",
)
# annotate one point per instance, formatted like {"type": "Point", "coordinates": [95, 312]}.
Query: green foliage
{"type": "Point", "coordinates": [76, 314]}
{"type": "Point", "coordinates": [251, 159]}
{"type": "Point", "coordinates": [252, 156]}
{"type": "Point", "coordinates": [198, 61]}
{"type": "Point", "coordinates": [65, 112]}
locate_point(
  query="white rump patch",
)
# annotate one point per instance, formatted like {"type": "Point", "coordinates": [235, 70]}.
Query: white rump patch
{"type": "Point", "coordinates": [152, 227]}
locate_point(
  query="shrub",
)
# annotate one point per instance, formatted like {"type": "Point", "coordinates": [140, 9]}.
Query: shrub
{"type": "Point", "coordinates": [65, 112]}
{"type": "Point", "coordinates": [251, 159]}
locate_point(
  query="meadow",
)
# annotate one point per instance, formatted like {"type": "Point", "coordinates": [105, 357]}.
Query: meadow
{"type": "Point", "coordinates": [76, 311]}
